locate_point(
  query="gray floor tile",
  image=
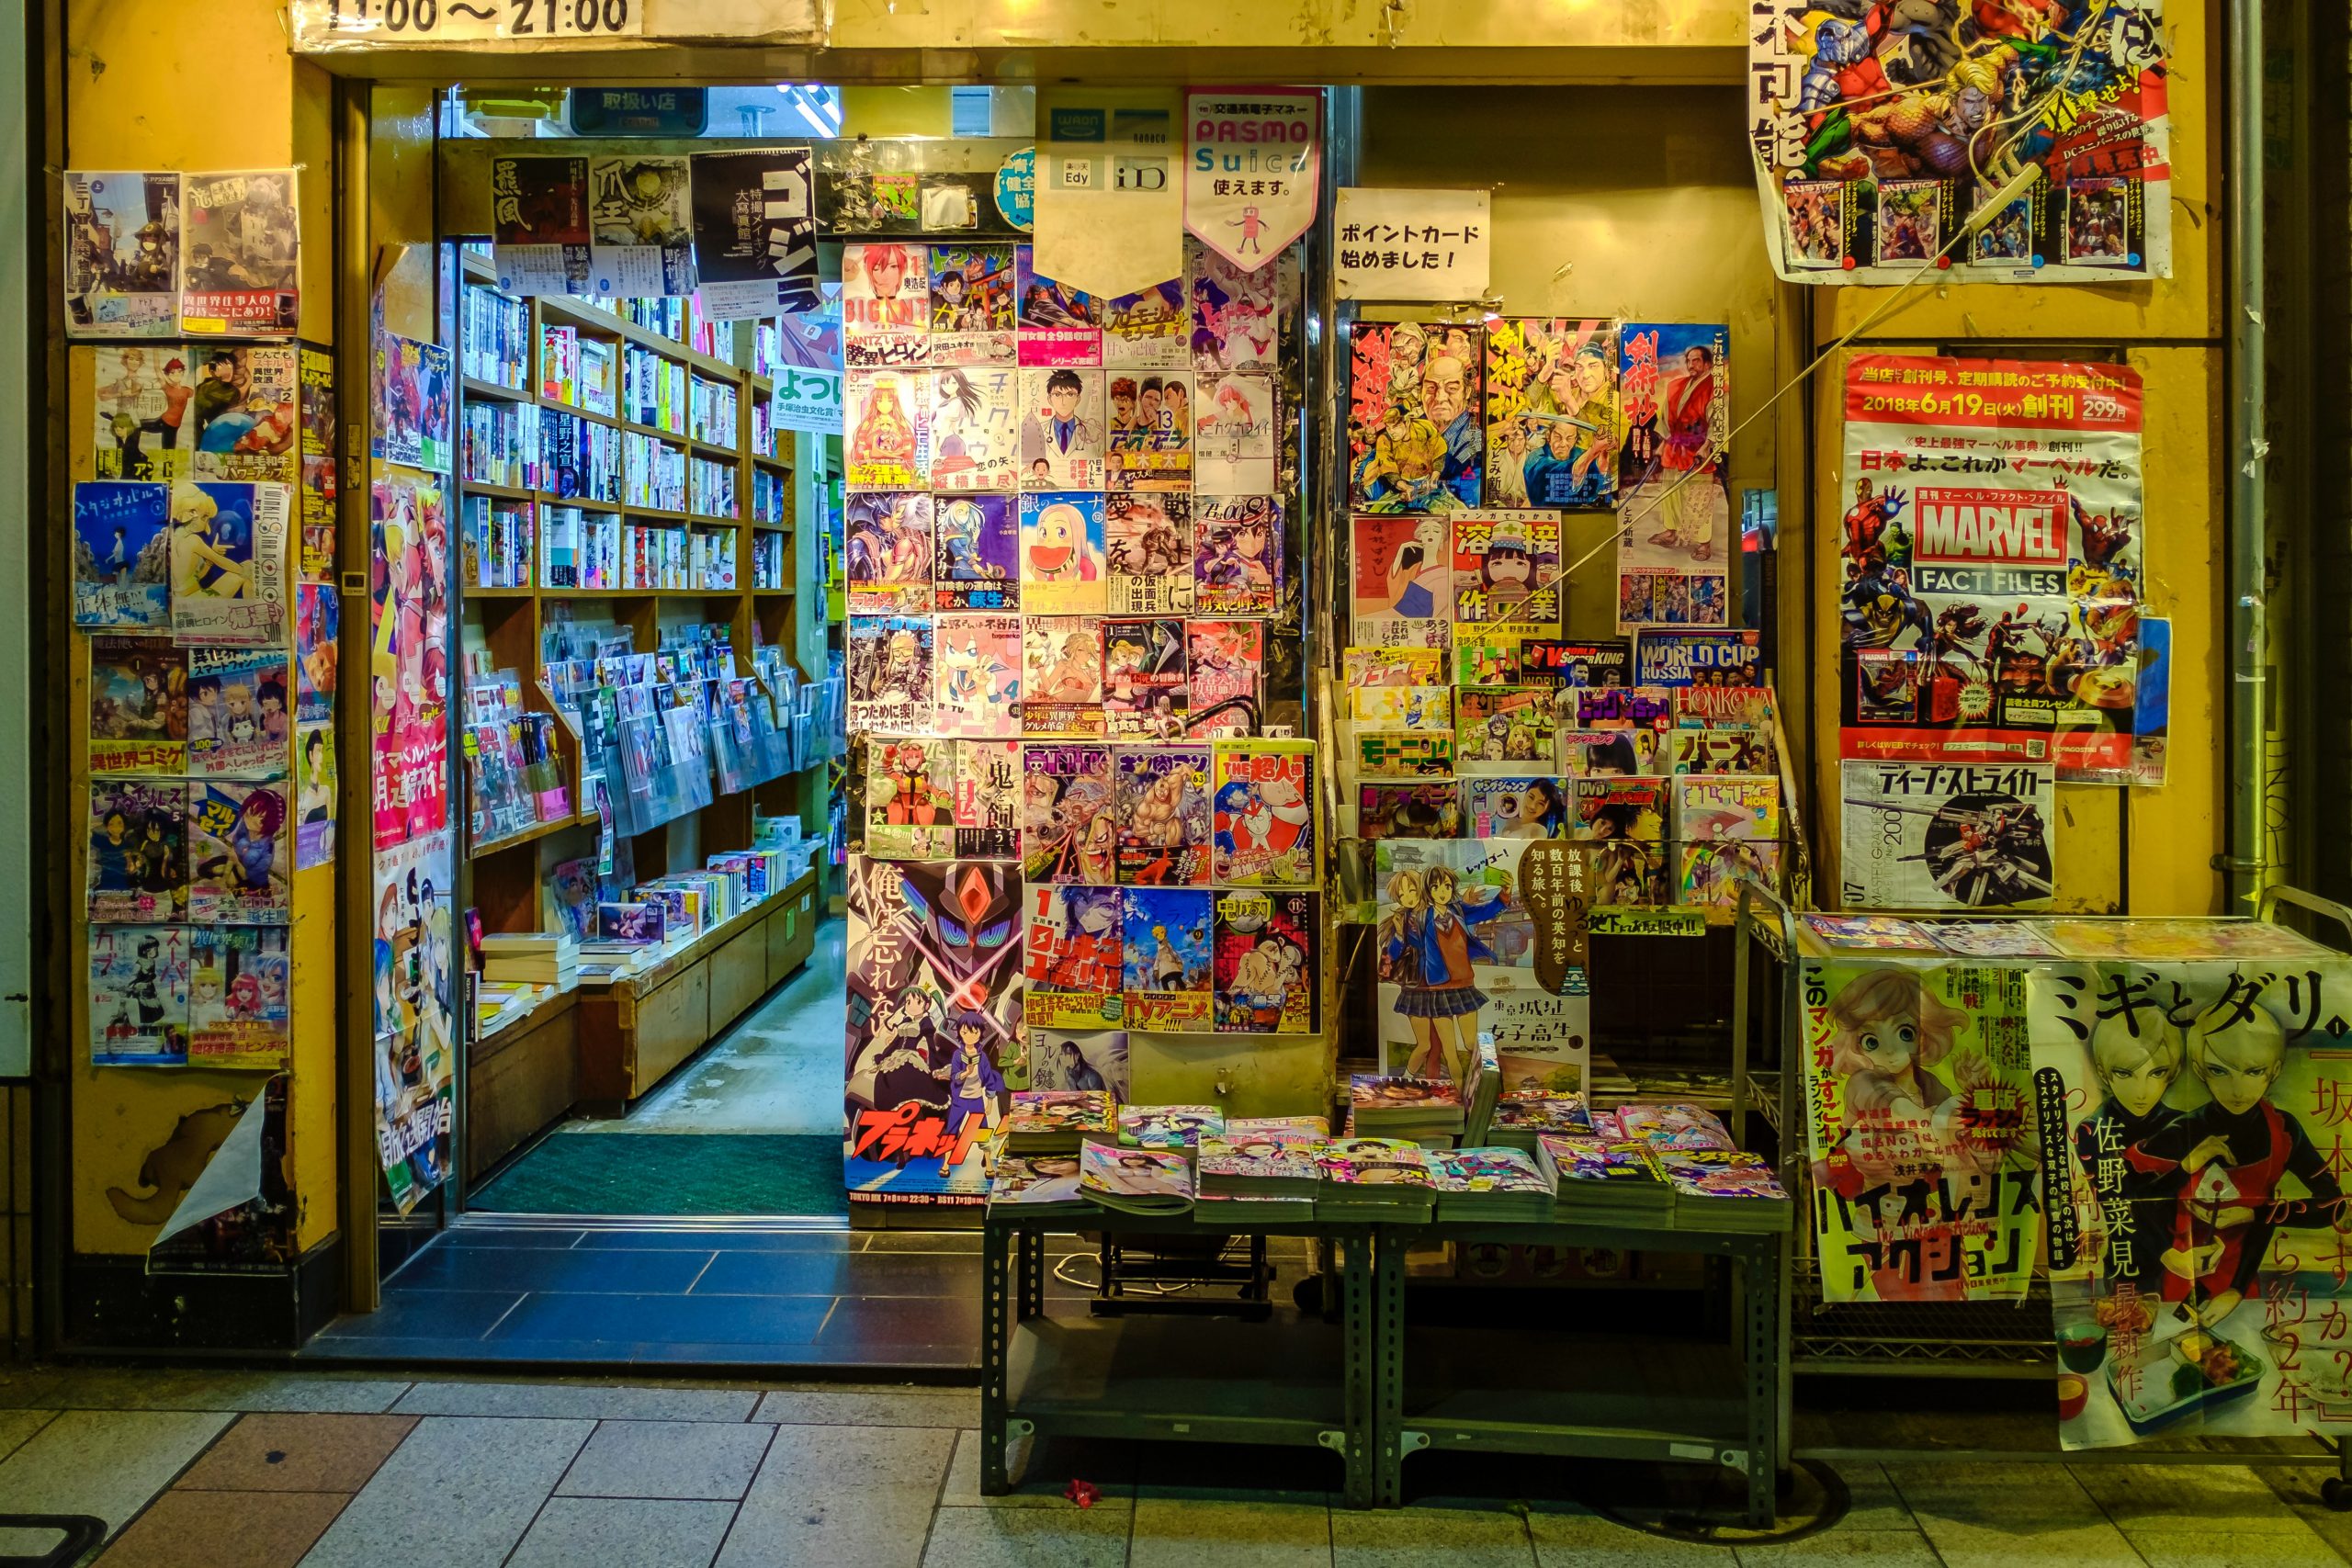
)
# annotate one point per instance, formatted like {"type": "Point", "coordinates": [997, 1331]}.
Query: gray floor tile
{"type": "Point", "coordinates": [1995, 1496]}
{"type": "Point", "coordinates": [1588, 1540]}
{"type": "Point", "coordinates": [872, 1407]}
{"type": "Point", "coordinates": [840, 1497]}
{"type": "Point", "coordinates": [1196, 1533]}
{"type": "Point", "coordinates": [624, 1533]}
{"type": "Point", "coordinates": [29, 1388]}
{"type": "Point", "coordinates": [704, 1460]}
{"type": "Point", "coordinates": [2092, 1544]}
{"type": "Point", "coordinates": [2187, 1499]}
{"type": "Point", "coordinates": [1018, 1537]}
{"type": "Point", "coordinates": [1876, 1505]}
{"type": "Point", "coordinates": [2298, 1485]}
{"type": "Point", "coordinates": [2212, 1549]}
{"type": "Point", "coordinates": [459, 1493]}
{"type": "Point", "coordinates": [103, 1462]}
{"type": "Point", "coordinates": [17, 1426]}
{"type": "Point", "coordinates": [591, 1401]}
{"type": "Point", "coordinates": [1415, 1538]}
{"type": "Point", "coordinates": [1865, 1549]}
{"type": "Point", "coordinates": [170, 1388]}
{"type": "Point", "coordinates": [1040, 1479]}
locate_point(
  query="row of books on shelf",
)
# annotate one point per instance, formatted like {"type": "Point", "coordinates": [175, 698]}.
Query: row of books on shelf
{"type": "Point", "coordinates": [768, 567]}
{"type": "Point", "coordinates": [595, 551]}
{"type": "Point", "coordinates": [713, 417]}
{"type": "Point", "coordinates": [494, 338]}
{"type": "Point", "coordinates": [679, 320]}
{"type": "Point", "coordinates": [579, 459]}
{"type": "Point", "coordinates": [514, 777]}
{"type": "Point", "coordinates": [577, 370]}
{"type": "Point", "coordinates": [771, 496]}
{"type": "Point", "coordinates": [653, 473]}
{"type": "Point", "coordinates": [762, 428]}
{"type": "Point", "coordinates": [713, 488]}
{"type": "Point", "coordinates": [655, 391]}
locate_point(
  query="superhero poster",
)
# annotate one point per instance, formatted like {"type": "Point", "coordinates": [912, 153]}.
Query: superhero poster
{"type": "Point", "coordinates": [1990, 569]}
{"type": "Point", "coordinates": [934, 1029]}
{"type": "Point", "coordinates": [1072, 977]}
{"type": "Point", "coordinates": [1932, 836]}
{"type": "Point", "coordinates": [1265, 813]}
{"type": "Point", "coordinates": [1265, 970]}
{"type": "Point", "coordinates": [1414, 439]}
{"type": "Point", "coordinates": [1167, 958]}
{"type": "Point", "coordinates": [1552, 421]}
{"type": "Point", "coordinates": [1161, 803]}
{"type": "Point", "coordinates": [1886, 130]}
{"type": "Point", "coordinates": [1674, 528]}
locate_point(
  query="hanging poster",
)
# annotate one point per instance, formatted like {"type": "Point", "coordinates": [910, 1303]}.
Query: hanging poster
{"type": "Point", "coordinates": [1883, 133]}
{"type": "Point", "coordinates": [245, 411]}
{"type": "Point", "coordinates": [138, 850]}
{"type": "Point", "coordinates": [123, 554]}
{"type": "Point", "coordinates": [1161, 803]}
{"type": "Point", "coordinates": [320, 475]}
{"type": "Point", "coordinates": [139, 705]}
{"type": "Point", "coordinates": [139, 996]}
{"type": "Point", "coordinates": [1237, 313]}
{"type": "Point", "coordinates": [242, 238]}
{"type": "Point", "coordinates": [414, 403]}
{"type": "Point", "coordinates": [1414, 441]}
{"type": "Point", "coordinates": [1110, 216]}
{"type": "Point", "coordinates": [755, 233]}
{"type": "Point", "coordinates": [972, 305]}
{"type": "Point", "coordinates": [1990, 565]}
{"type": "Point", "coordinates": [1674, 538]}
{"type": "Point", "coordinates": [1147, 329]}
{"type": "Point", "coordinates": [1552, 415]}
{"type": "Point", "coordinates": [1069, 830]}
{"type": "Point", "coordinates": [122, 254]}
{"type": "Point", "coordinates": [934, 959]}
{"type": "Point", "coordinates": [1254, 169]}
{"type": "Point", "coordinates": [408, 658]}
{"type": "Point", "coordinates": [415, 1058]}
{"type": "Point", "coordinates": [1937, 836]}
{"type": "Point", "coordinates": [1427, 245]}
{"type": "Point", "coordinates": [976, 554]}
{"type": "Point", "coordinates": [141, 400]}
{"type": "Point", "coordinates": [887, 430]}
{"type": "Point", "coordinates": [238, 718]}
{"type": "Point", "coordinates": [314, 796]}
{"type": "Point", "coordinates": [228, 563]}
{"type": "Point", "coordinates": [1090, 1059]}
{"type": "Point", "coordinates": [807, 370]}
{"type": "Point", "coordinates": [640, 228]}
{"type": "Point", "coordinates": [539, 231]}
{"type": "Point", "coordinates": [972, 424]}
{"type": "Point", "coordinates": [1923, 1175]}
{"type": "Point", "coordinates": [239, 980]}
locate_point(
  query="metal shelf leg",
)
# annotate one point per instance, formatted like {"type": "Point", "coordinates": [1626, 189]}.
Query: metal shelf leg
{"type": "Point", "coordinates": [996, 1343]}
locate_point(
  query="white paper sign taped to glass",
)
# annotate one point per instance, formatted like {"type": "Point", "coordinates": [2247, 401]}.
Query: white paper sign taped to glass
{"type": "Point", "coordinates": [1430, 245]}
{"type": "Point", "coordinates": [755, 232]}
{"type": "Point", "coordinates": [1253, 168]}
{"type": "Point", "coordinates": [1923, 836]}
{"type": "Point", "coordinates": [1989, 562]}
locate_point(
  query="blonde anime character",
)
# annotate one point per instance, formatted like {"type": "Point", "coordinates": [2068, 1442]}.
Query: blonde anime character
{"type": "Point", "coordinates": [885, 436]}
{"type": "Point", "coordinates": [200, 569]}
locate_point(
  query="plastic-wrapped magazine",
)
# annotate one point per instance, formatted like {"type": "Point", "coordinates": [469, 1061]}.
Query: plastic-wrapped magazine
{"type": "Point", "coordinates": [1674, 1127]}
{"type": "Point", "coordinates": [1993, 938]}
{"type": "Point", "coordinates": [1882, 933]}
{"type": "Point", "coordinates": [1168, 1126]}
{"type": "Point", "coordinates": [1047, 1120]}
{"type": "Point", "coordinates": [1139, 1180]}
{"type": "Point", "coordinates": [1041, 1183]}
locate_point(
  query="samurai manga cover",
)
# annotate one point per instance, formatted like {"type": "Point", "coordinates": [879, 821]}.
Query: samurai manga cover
{"type": "Point", "coordinates": [1675, 536]}
{"type": "Point", "coordinates": [1264, 807]}
{"type": "Point", "coordinates": [1930, 836]}
{"type": "Point", "coordinates": [934, 1025]}
{"type": "Point", "coordinates": [1553, 422]}
{"type": "Point", "coordinates": [1069, 827]}
{"type": "Point", "coordinates": [1266, 972]}
{"type": "Point", "coordinates": [1916, 1075]}
{"type": "Point", "coordinates": [1072, 978]}
{"type": "Point", "coordinates": [138, 1000]}
{"type": "Point", "coordinates": [122, 254]}
{"type": "Point", "coordinates": [1167, 958]}
{"type": "Point", "coordinates": [1148, 547]}
{"type": "Point", "coordinates": [1414, 440]}
{"type": "Point", "coordinates": [1160, 805]}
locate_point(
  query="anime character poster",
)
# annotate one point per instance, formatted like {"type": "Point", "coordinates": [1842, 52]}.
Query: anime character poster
{"type": "Point", "coordinates": [1061, 681]}
{"type": "Point", "coordinates": [1506, 570]}
{"type": "Point", "coordinates": [1143, 678]}
{"type": "Point", "coordinates": [889, 548]}
{"type": "Point", "coordinates": [137, 997]}
{"type": "Point", "coordinates": [1990, 572]}
{"type": "Point", "coordinates": [1057, 324]}
{"type": "Point", "coordinates": [415, 401]}
{"type": "Point", "coordinates": [974, 441]}
{"type": "Point", "coordinates": [1414, 440]}
{"type": "Point", "coordinates": [1061, 429]}
{"type": "Point", "coordinates": [1147, 329]}
{"type": "Point", "coordinates": [137, 851]}
{"type": "Point", "coordinates": [1148, 445]}
{"type": "Point", "coordinates": [241, 243]}
{"type": "Point", "coordinates": [314, 796]}
{"type": "Point", "coordinates": [1264, 973]}
{"type": "Point", "coordinates": [1400, 577]}
{"type": "Point", "coordinates": [976, 552]}
{"type": "Point", "coordinates": [1936, 836]}
{"type": "Point", "coordinates": [1409, 811]}
{"type": "Point", "coordinates": [1167, 958]}
{"type": "Point", "coordinates": [1072, 978]}
{"type": "Point", "coordinates": [1233, 435]}
{"type": "Point", "coordinates": [239, 979]}
{"type": "Point", "coordinates": [1553, 422]}
{"type": "Point", "coordinates": [1147, 544]}
{"type": "Point", "coordinates": [138, 705]}
{"type": "Point", "coordinates": [319, 465]}
{"type": "Point", "coordinates": [1236, 314]}
{"type": "Point", "coordinates": [1664, 657]}
{"type": "Point", "coordinates": [140, 410]}
{"type": "Point", "coordinates": [1069, 831]}
{"type": "Point", "coordinates": [891, 684]}
{"type": "Point", "coordinates": [318, 622]}
{"type": "Point", "coordinates": [239, 852]}
{"type": "Point", "coordinates": [1265, 814]}
{"type": "Point", "coordinates": [910, 798]}
{"type": "Point", "coordinates": [238, 720]}
{"type": "Point", "coordinates": [122, 254]}
{"type": "Point", "coordinates": [641, 227]}
{"type": "Point", "coordinates": [1674, 511]}
{"type": "Point", "coordinates": [415, 1059]}
{"type": "Point", "coordinates": [1079, 1059]}
{"type": "Point", "coordinates": [885, 430]}
{"type": "Point", "coordinates": [1870, 124]}
{"type": "Point", "coordinates": [408, 661]}
{"type": "Point", "coordinates": [1225, 666]}
{"type": "Point", "coordinates": [977, 665]}
{"type": "Point", "coordinates": [244, 414]}
{"type": "Point", "coordinates": [1160, 804]}
{"type": "Point", "coordinates": [1505, 729]}
{"type": "Point", "coordinates": [1439, 919]}
{"type": "Point", "coordinates": [539, 232]}
{"type": "Point", "coordinates": [972, 306]}
{"type": "Point", "coordinates": [886, 305]}
{"type": "Point", "coordinates": [1917, 1078]}
{"type": "Point", "coordinates": [1237, 555]}
{"type": "Point", "coordinates": [122, 554]}
{"type": "Point", "coordinates": [228, 563]}
{"type": "Point", "coordinates": [934, 958]}
{"type": "Point", "coordinates": [987, 799]}
{"type": "Point", "coordinates": [1062, 568]}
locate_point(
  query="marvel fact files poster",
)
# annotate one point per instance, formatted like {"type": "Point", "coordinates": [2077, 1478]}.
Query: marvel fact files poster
{"type": "Point", "coordinates": [2020, 143]}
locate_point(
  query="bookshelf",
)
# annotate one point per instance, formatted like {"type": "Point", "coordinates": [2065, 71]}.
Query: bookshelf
{"type": "Point", "coordinates": [682, 435]}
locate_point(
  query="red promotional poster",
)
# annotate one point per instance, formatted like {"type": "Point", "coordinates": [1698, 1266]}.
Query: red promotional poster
{"type": "Point", "coordinates": [407, 658]}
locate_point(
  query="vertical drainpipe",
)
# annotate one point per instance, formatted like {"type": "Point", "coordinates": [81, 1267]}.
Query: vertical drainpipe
{"type": "Point", "coordinates": [2249, 693]}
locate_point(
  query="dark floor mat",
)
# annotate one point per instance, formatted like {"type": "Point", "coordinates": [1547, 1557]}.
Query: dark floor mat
{"type": "Point", "coordinates": [672, 1173]}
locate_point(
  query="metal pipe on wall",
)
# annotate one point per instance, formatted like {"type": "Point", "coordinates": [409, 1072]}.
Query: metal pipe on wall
{"type": "Point", "coordinates": [2248, 862]}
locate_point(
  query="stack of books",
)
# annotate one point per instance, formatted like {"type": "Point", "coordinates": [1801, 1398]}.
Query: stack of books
{"type": "Point", "coordinates": [1519, 1120]}
{"type": "Point", "coordinates": [1179, 1127]}
{"type": "Point", "coordinates": [1726, 1189]}
{"type": "Point", "coordinates": [1056, 1120]}
{"type": "Point", "coordinates": [498, 1003]}
{"type": "Point", "coordinates": [1137, 1181]}
{"type": "Point", "coordinates": [538, 958]}
{"type": "Point", "coordinates": [603, 963]}
{"type": "Point", "coordinates": [1674, 1127]}
{"type": "Point", "coordinates": [1259, 1170]}
{"type": "Point", "coordinates": [1375, 1182]}
{"type": "Point", "coordinates": [1038, 1184]}
{"type": "Point", "coordinates": [1603, 1183]}
{"type": "Point", "coordinates": [1486, 1089]}
{"type": "Point", "coordinates": [1427, 1111]}
{"type": "Point", "coordinates": [1491, 1185]}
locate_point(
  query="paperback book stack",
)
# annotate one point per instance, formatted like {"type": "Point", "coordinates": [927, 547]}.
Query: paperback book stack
{"type": "Point", "coordinates": [1600, 1182]}
{"type": "Point", "coordinates": [1176, 1127]}
{"type": "Point", "coordinates": [1427, 1111]}
{"type": "Point", "coordinates": [1136, 1181]}
{"type": "Point", "coordinates": [536, 958]}
{"type": "Point", "coordinates": [1519, 1120]}
{"type": "Point", "coordinates": [1056, 1120]}
{"type": "Point", "coordinates": [1724, 1189]}
{"type": "Point", "coordinates": [1260, 1170]}
{"type": "Point", "coordinates": [1038, 1184]}
{"type": "Point", "coordinates": [1375, 1182]}
{"type": "Point", "coordinates": [1491, 1185]}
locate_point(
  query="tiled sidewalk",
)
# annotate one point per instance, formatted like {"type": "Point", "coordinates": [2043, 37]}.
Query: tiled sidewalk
{"type": "Point", "coordinates": [267, 1469]}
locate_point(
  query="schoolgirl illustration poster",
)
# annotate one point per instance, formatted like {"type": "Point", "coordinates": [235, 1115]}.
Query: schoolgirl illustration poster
{"type": "Point", "coordinates": [1434, 927]}
{"type": "Point", "coordinates": [1233, 435]}
{"type": "Point", "coordinates": [976, 553]}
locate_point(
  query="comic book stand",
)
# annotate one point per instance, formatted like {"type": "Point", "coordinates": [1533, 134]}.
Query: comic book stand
{"type": "Point", "coordinates": [1922, 1339]}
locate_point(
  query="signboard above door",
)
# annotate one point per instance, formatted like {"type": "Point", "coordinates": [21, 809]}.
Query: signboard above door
{"type": "Point", "coordinates": [322, 27]}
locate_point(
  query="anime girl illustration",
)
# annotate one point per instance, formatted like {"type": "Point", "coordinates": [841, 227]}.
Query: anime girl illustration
{"type": "Point", "coordinates": [1885, 1031]}
{"type": "Point", "coordinates": [201, 567]}
{"type": "Point", "coordinates": [975, 1087]}
{"type": "Point", "coordinates": [885, 442]}
{"type": "Point", "coordinates": [1431, 944]}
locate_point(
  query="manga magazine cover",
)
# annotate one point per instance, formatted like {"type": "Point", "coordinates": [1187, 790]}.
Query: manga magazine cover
{"type": "Point", "coordinates": [1618, 752]}
{"type": "Point", "coordinates": [122, 254]}
{"type": "Point", "coordinates": [1225, 664]}
{"type": "Point", "coordinates": [239, 978]}
{"type": "Point", "coordinates": [415, 1058]}
{"type": "Point", "coordinates": [1714, 808]}
{"type": "Point", "coordinates": [886, 305]}
{"type": "Point", "coordinates": [889, 553]}
{"type": "Point", "coordinates": [1527, 807]}
{"type": "Point", "coordinates": [977, 658]}
{"type": "Point", "coordinates": [318, 620]}
{"type": "Point", "coordinates": [1404, 754]}
{"type": "Point", "coordinates": [319, 463]}
{"type": "Point", "coordinates": [228, 563]}
{"type": "Point", "coordinates": [1409, 811]}
{"type": "Point", "coordinates": [1149, 441]}
{"type": "Point", "coordinates": [1666, 658]}
{"type": "Point", "coordinates": [885, 425]}
{"type": "Point", "coordinates": [244, 413]}
{"type": "Point", "coordinates": [138, 980]}
{"type": "Point", "coordinates": [1930, 836]}
{"type": "Point", "coordinates": [1265, 804]}
{"type": "Point", "coordinates": [1062, 568]}
{"type": "Point", "coordinates": [139, 708]}
{"type": "Point", "coordinates": [973, 444]}
{"type": "Point", "coordinates": [238, 858]}
{"type": "Point", "coordinates": [1917, 1078]}
{"type": "Point", "coordinates": [1237, 555]}
{"type": "Point", "coordinates": [1400, 581]}
{"type": "Point", "coordinates": [241, 247]}
{"type": "Point", "coordinates": [971, 305]}
{"type": "Point", "coordinates": [1146, 330]}
{"type": "Point", "coordinates": [1624, 707]}
{"type": "Point", "coordinates": [1147, 545]}
{"type": "Point", "coordinates": [1414, 441]}
{"type": "Point", "coordinates": [1167, 958]}
{"type": "Point", "coordinates": [140, 410]}
{"type": "Point", "coordinates": [1069, 831]}
{"type": "Point", "coordinates": [314, 796]}
{"type": "Point", "coordinates": [1061, 429]}
{"type": "Point", "coordinates": [1618, 809]}
{"type": "Point", "coordinates": [138, 850]}
{"type": "Point", "coordinates": [1236, 316]}
{"type": "Point", "coordinates": [987, 799]}
{"type": "Point", "coordinates": [1362, 666]}
{"type": "Point", "coordinates": [1142, 679]}
{"type": "Point", "coordinates": [237, 716]}
{"type": "Point", "coordinates": [890, 680]}
{"type": "Point", "coordinates": [1160, 805]}
{"type": "Point", "coordinates": [1552, 424]}
{"type": "Point", "coordinates": [415, 401]}
{"type": "Point", "coordinates": [1723, 750]}
{"type": "Point", "coordinates": [1057, 324]}
{"type": "Point", "coordinates": [1506, 570]}
{"type": "Point", "coordinates": [1674, 508]}
{"type": "Point", "coordinates": [641, 227]}
{"type": "Point", "coordinates": [123, 554]}
{"type": "Point", "coordinates": [1402, 707]}
{"type": "Point", "coordinates": [1072, 978]}
{"type": "Point", "coordinates": [1501, 729]}
{"type": "Point", "coordinates": [1233, 435]}
{"type": "Point", "coordinates": [539, 224]}
{"type": "Point", "coordinates": [1061, 681]}
{"type": "Point", "coordinates": [976, 552]}
{"type": "Point", "coordinates": [910, 798]}
{"type": "Point", "coordinates": [1265, 971]}
{"type": "Point", "coordinates": [408, 670]}
{"type": "Point", "coordinates": [933, 952]}
{"type": "Point", "coordinates": [1710, 874]}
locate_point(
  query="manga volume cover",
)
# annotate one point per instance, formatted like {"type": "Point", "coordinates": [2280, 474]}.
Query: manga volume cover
{"type": "Point", "coordinates": [138, 850]}
{"type": "Point", "coordinates": [415, 400]}
{"type": "Point", "coordinates": [1235, 315]}
{"type": "Point", "coordinates": [237, 718]}
{"type": "Point", "coordinates": [1237, 555]}
{"type": "Point", "coordinates": [1613, 753]}
{"type": "Point", "coordinates": [910, 798]}
{"type": "Point", "coordinates": [1070, 829]}
{"type": "Point", "coordinates": [1625, 708]}
{"type": "Point", "coordinates": [1233, 435]}
{"type": "Point", "coordinates": [889, 553]}
{"type": "Point", "coordinates": [974, 442]}
{"type": "Point", "coordinates": [1061, 682]}
{"type": "Point", "coordinates": [1724, 751]}
{"type": "Point", "coordinates": [972, 306]}
{"type": "Point", "coordinates": [1094, 1060]}
{"type": "Point", "coordinates": [1265, 973]}
{"type": "Point", "coordinates": [1146, 330]}
{"type": "Point", "coordinates": [1674, 512]}
{"type": "Point", "coordinates": [1160, 806]}
{"type": "Point", "coordinates": [1143, 678]}
{"type": "Point", "coordinates": [137, 997]}
{"type": "Point", "coordinates": [141, 408]}
{"type": "Point", "coordinates": [1401, 577]}
{"type": "Point", "coordinates": [1930, 836]}
{"type": "Point", "coordinates": [1148, 444]}
{"type": "Point", "coordinates": [139, 705]}
{"type": "Point", "coordinates": [1618, 809]}
{"type": "Point", "coordinates": [540, 233]}
{"type": "Point", "coordinates": [122, 254]}
{"type": "Point", "coordinates": [1147, 546]}
{"type": "Point", "coordinates": [228, 563]}
{"type": "Point", "coordinates": [976, 553]}
{"type": "Point", "coordinates": [1062, 568]}
{"type": "Point", "coordinates": [890, 680]}
{"type": "Point", "coordinates": [239, 980]}
{"type": "Point", "coordinates": [987, 799]}
{"type": "Point", "coordinates": [1552, 424]}
{"type": "Point", "coordinates": [1225, 667]}
{"type": "Point", "coordinates": [123, 554]}
{"type": "Point", "coordinates": [978, 674]}
{"type": "Point", "coordinates": [886, 305]}
{"type": "Point", "coordinates": [1506, 571]}
{"type": "Point", "coordinates": [245, 413]}
{"type": "Point", "coordinates": [1265, 834]}
{"type": "Point", "coordinates": [239, 863]}
{"type": "Point", "coordinates": [1409, 811]}
{"type": "Point", "coordinates": [1714, 808]}
{"type": "Point", "coordinates": [318, 620]}
{"type": "Point", "coordinates": [886, 425]}
{"type": "Point", "coordinates": [1408, 666]}
{"type": "Point", "coordinates": [1414, 441]}
{"type": "Point", "coordinates": [1056, 325]}
{"type": "Point", "coordinates": [1061, 429]}
{"type": "Point", "coordinates": [1501, 730]}
{"type": "Point", "coordinates": [242, 247]}
{"type": "Point", "coordinates": [1073, 975]}
{"type": "Point", "coordinates": [1167, 958]}
{"type": "Point", "coordinates": [314, 796]}
{"type": "Point", "coordinates": [641, 227]}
